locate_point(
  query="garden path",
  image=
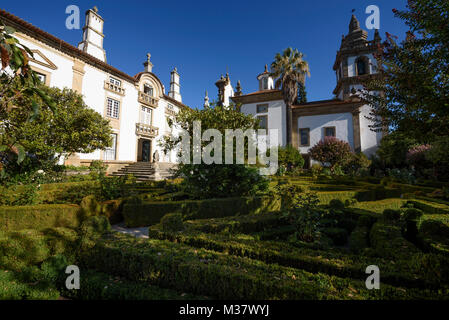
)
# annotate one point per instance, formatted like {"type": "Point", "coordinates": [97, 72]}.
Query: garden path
{"type": "Point", "coordinates": [136, 232]}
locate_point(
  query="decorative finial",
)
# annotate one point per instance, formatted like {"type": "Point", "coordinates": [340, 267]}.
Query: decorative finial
{"type": "Point", "coordinates": [266, 68]}
{"type": "Point", "coordinates": [239, 89]}
{"type": "Point", "coordinates": [148, 57]}
{"type": "Point", "coordinates": [95, 9]}
{"type": "Point", "coordinates": [206, 100]}
{"type": "Point", "coordinates": [354, 25]}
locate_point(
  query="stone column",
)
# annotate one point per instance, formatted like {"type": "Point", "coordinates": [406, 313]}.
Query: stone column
{"type": "Point", "coordinates": [78, 74]}
{"type": "Point", "coordinates": [356, 130]}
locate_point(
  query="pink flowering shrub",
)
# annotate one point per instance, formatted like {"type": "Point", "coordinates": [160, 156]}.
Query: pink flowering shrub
{"type": "Point", "coordinates": [416, 156]}
{"type": "Point", "coordinates": [331, 150]}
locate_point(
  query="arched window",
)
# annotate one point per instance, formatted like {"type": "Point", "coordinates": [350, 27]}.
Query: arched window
{"type": "Point", "coordinates": [361, 67]}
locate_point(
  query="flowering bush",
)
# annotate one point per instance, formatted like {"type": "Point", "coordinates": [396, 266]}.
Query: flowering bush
{"type": "Point", "coordinates": [416, 156]}
{"type": "Point", "coordinates": [331, 150]}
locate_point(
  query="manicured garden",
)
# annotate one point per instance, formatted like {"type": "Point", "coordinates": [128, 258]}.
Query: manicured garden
{"type": "Point", "coordinates": [232, 248]}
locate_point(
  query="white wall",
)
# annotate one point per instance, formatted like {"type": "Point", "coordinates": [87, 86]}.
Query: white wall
{"type": "Point", "coordinates": [62, 76]}
{"type": "Point", "coordinates": [370, 140]}
{"type": "Point", "coordinates": [276, 117]}
{"type": "Point", "coordinates": [341, 121]}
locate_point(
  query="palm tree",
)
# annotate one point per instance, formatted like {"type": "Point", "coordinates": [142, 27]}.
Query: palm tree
{"type": "Point", "coordinates": [289, 69]}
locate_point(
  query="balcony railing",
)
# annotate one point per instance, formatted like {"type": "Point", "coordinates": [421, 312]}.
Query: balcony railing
{"type": "Point", "coordinates": [147, 99]}
{"type": "Point", "coordinates": [114, 88]}
{"type": "Point", "coordinates": [146, 130]}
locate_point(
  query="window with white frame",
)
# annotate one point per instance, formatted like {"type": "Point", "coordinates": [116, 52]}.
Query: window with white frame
{"type": "Point", "coordinates": [42, 77]}
{"type": "Point", "coordinates": [111, 152]}
{"type": "Point", "coordinates": [113, 108]}
{"type": "Point", "coordinates": [115, 81]}
{"type": "Point", "coordinates": [146, 115]}
{"type": "Point", "coordinates": [147, 89]}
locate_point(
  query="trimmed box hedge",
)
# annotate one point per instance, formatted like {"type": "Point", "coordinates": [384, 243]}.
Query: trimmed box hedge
{"type": "Point", "coordinates": [202, 272]}
{"type": "Point", "coordinates": [39, 217]}
{"type": "Point", "coordinates": [19, 249]}
{"type": "Point", "coordinates": [406, 272]}
{"type": "Point", "coordinates": [387, 240]}
{"type": "Point", "coordinates": [101, 286]}
{"type": "Point", "coordinates": [12, 289]}
{"type": "Point", "coordinates": [430, 207]}
{"type": "Point", "coordinates": [142, 214]}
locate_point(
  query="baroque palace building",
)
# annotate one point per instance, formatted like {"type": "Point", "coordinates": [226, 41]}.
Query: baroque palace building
{"type": "Point", "coordinates": [137, 106]}
{"type": "Point", "coordinates": [344, 117]}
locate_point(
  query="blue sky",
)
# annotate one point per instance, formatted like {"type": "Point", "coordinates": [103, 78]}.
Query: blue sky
{"type": "Point", "coordinates": [204, 39]}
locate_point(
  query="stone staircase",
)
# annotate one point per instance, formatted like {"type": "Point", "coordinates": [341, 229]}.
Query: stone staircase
{"type": "Point", "coordinates": [145, 171]}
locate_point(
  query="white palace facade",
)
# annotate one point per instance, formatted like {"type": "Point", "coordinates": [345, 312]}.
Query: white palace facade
{"type": "Point", "coordinates": [344, 117]}
{"type": "Point", "coordinates": [137, 106]}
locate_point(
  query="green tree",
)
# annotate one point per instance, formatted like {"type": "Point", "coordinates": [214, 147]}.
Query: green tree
{"type": "Point", "coordinates": [289, 69]}
{"type": "Point", "coordinates": [415, 74]}
{"type": "Point", "coordinates": [302, 93]}
{"type": "Point", "coordinates": [72, 128]}
{"type": "Point", "coordinates": [17, 81]}
{"type": "Point", "coordinates": [215, 180]}
{"type": "Point", "coordinates": [393, 149]}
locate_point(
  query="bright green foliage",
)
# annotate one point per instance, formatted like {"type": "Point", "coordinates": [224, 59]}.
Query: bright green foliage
{"type": "Point", "coordinates": [72, 128]}
{"type": "Point", "coordinates": [393, 150]}
{"type": "Point", "coordinates": [17, 82]}
{"type": "Point", "coordinates": [39, 217]}
{"type": "Point", "coordinates": [203, 181]}
{"type": "Point", "coordinates": [172, 222]}
{"type": "Point", "coordinates": [290, 158]}
{"type": "Point", "coordinates": [415, 74]}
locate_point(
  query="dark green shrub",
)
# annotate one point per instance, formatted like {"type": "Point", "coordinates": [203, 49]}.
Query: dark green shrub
{"type": "Point", "coordinates": [391, 214]}
{"type": "Point", "coordinates": [112, 209]}
{"type": "Point", "coordinates": [350, 202]}
{"type": "Point", "coordinates": [290, 158]}
{"type": "Point", "coordinates": [91, 230]}
{"type": "Point", "coordinates": [172, 222]}
{"type": "Point", "coordinates": [90, 207]}
{"type": "Point", "coordinates": [358, 239]}
{"type": "Point", "coordinates": [339, 236]}
{"type": "Point", "coordinates": [204, 181]}
{"type": "Point", "coordinates": [336, 204]}
{"type": "Point", "coordinates": [149, 213]}
{"type": "Point", "coordinates": [366, 221]}
{"type": "Point", "coordinates": [429, 228]}
{"type": "Point", "coordinates": [387, 240]}
{"type": "Point", "coordinates": [95, 285]}
{"type": "Point", "coordinates": [411, 214]}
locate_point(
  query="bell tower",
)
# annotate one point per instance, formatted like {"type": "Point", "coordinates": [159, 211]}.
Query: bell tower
{"type": "Point", "coordinates": [355, 60]}
{"type": "Point", "coordinates": [225, 90]}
